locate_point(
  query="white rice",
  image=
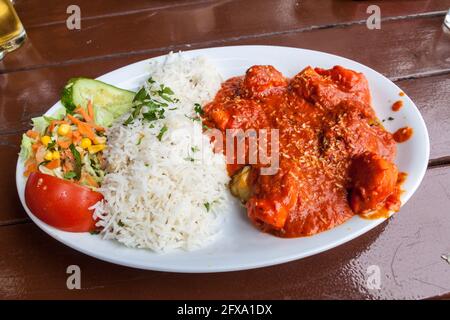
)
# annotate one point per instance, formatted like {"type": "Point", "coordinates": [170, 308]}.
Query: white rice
{"type": "Point", "coordinates": [156, 193]}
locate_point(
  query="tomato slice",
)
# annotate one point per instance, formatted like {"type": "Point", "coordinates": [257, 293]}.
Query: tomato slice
{"type": "Point", "coordinates": [60, 203]}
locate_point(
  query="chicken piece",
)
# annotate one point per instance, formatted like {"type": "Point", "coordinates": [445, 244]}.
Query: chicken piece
{"type": "Point", "coordinates": [347, 80]}
{"type": "Point", "coordinates": [373, 180]}
{"type": "Point", "coordinates": [260, 81]}
{"type": "Point", "coordinates": [350, 130]}
{"type": "Point", "coordinates": [269, 213]}
{"type": "Point", "coordinates": [239, 112]}
{"type": "Point", "coordinates": [274, 197]}
{"type": "Point", "coordinates": [331, 87]}
{"type": "Point", "coordinates": [220, 116]}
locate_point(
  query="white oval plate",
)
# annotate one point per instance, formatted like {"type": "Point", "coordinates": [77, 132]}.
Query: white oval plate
{"type": "Point", "coordinates": [241, 246]}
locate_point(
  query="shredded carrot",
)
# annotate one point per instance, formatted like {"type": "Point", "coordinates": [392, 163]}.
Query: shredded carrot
{"type": "Point", "coordinates": [76, 136]}
{"type": "Point", "coordinates": [32, 134]}
{"type": "Point", "coordinates": [90, 180]}
{"type": "Point", "coordinates": [35, 146]}
{"type": "Point", "coordinates": [83, 127]}
{"type": "Point", "coordinates": [86, 130]}
{"type": "Point", "coordinates": [84, 114]}
{"type": "Point", "coordinates": [64, 143]}
{"type": "Point", "coordinates": [97, 127]}
{"type": "Point", "coordinates": [92, 125]}
{"type": "Point", "coordinates": [54, 123]}
{"type": "Point", "coordinates": [28, 162]}
{"type": "Point", "coordinates": [90, 110]}
{"type": "Point", "coordinates": [30, 168]}
{"type": "Point", "coordinates": [53, 164]}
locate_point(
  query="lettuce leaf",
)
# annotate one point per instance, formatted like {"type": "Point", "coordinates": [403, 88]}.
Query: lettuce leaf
{"type": "Point", "coordinates": [25, 147]}
{"type": "Point", "coordinates": [41, 123]}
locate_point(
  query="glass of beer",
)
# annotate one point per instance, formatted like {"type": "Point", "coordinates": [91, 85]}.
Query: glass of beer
{"type": "Point", "coordinates": [12, 33]}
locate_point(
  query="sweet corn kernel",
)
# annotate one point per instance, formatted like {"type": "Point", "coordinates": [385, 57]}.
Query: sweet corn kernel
{"type": "Point", "coordinates": [100, 140]}
{"type": "Point", "coordinates": [45, 140]}
{"type": "Point", "coordinates": [63, 129]}
{"type": "Point", "coordinates": [56, 155]}
{"type": "Point", "coordinates": [86, 143]}
{"type": "Point", "coordinates": [48, 156]}
{"type": "Point", "coordinates": [96, 148]}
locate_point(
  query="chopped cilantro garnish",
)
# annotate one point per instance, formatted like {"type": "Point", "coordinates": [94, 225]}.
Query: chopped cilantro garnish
{"type": "Point", "coordinates": [77, 158]}
{"type": "Point", "coordinates": [198, 109]}
{"type": "Point", "coordinates": [70, 175]}
{"type": "Point", "coordinates": [161, 132]}
{"type": "Point", "coordinates": [43, 163]}
{"type": "Point", "coordinates": [149, 105]}
{"type": "Point", "coordinates": [164, 93]}
{"type": "Point", "coordinates": [140, 139]}
{"type": "Point", "coordinates": [193, 118]}
{"type": "Point", "coordinates": [51, 145]}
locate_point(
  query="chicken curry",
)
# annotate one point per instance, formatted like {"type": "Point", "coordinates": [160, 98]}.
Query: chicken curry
{"type": "Point", "coordinates": [335, 157]}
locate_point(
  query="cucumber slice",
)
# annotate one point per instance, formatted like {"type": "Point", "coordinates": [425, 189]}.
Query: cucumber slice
{"type": "Point", "coordinates": [109, 102]}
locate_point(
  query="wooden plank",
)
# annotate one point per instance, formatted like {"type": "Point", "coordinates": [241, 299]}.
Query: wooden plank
{"type": "Point", "coordinates": [407, 250]}
{"type": "Point", "coordinates": [221, 23]}
{"type": "Point", "coordinates": [11, 210]}
{"type": "Point", "coordinates": [330, 11]}
{"type": "Point", "coordinates": [33, 15]}
{"type": "Point", "coordinates": [431, 95]}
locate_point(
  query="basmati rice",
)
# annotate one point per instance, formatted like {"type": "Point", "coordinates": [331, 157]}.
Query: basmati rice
{"type": "Point", "coordinates": [168, 194]}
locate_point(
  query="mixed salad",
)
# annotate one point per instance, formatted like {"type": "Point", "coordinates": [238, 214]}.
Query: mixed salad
{"type": "Point", "coordinates": [68, 148]}
{"type": "Point", "coordinates": [63, 153]}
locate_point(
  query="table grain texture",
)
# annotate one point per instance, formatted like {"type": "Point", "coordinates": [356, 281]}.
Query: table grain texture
{"type": "Point", "coordinates": [411, 48]}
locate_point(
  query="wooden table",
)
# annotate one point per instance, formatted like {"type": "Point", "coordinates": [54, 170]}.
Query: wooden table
{"type": "Point", "coordinates": [411, 49]}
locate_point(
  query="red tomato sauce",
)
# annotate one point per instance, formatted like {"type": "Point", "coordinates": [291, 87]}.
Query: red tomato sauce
{"type": "Point", "coordinates": [336, 159]}
{"type": "Point", "coordinates": [397, 105]}
{"type": "Point", "coordinates": [403, 134]}
{"type": "Point", "coordinates": [392, 203]}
